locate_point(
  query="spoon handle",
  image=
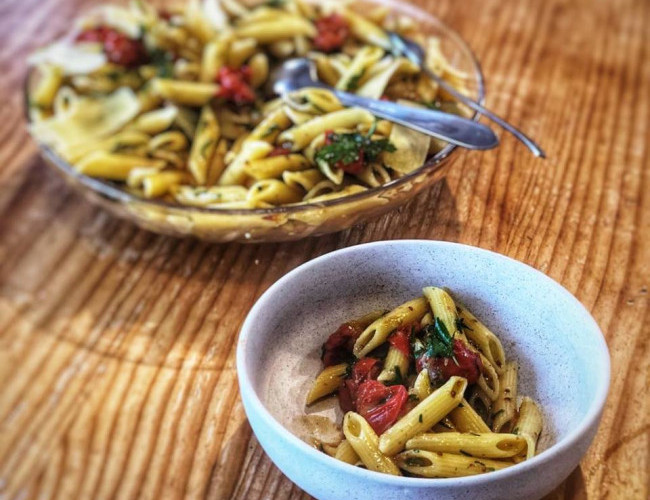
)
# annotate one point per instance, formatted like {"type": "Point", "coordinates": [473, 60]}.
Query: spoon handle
{"type": "Point", "coordinates": [451, 128]}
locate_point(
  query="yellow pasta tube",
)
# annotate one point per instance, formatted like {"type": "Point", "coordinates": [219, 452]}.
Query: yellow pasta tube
{"type": "Point", "coordinates": [433, 464]}
{"type": "Point", "coordinates": [396, 366]}
{"type": "Point", "coordinates": [504, 408]}
{"type": "Point", "coordinates": [157, 121]}
{"type": "Point", "coordinates": [161, 183]}
{"type": "Point", "coordinates": [259, 65]}
{"type": "Point", "coordinates": [465, 419]}
{"type": "Point", "coordinates": [205, 197]}
{"type": "Point", "coordinates": [214, 57]}
{"type": "Point", "coordinates": [424, 416]}
{"type": "Point", "coordinates": [270, 127]}
{"type": "Point", "coordinates": [345, 453]}
{"type": "Point", "coordinates": [366, 30]}
{"type": "Point", "coordinates": [305, 179]}
{"type": "Point", "coordinates": [443, 308]}
{"type": "Point", "coordinates": [364, 58]}
{"type": "Point", "coordinates": [218, 162]}
{"type": "Point", "coordinates": [240, 50]}
{"type": "Point", "coordinates": [50, 81]}
{"type": "Point", "coordinates": [274, 30]}
{"type": "Point", "coordinates": [422, 385]}
{"type": "Point", "coordinates": [113, 166]}
{"type": "Point", "coordinates": [378, 331]}
{"type": "Point", "coordinates": [364, 442]}
{"type": "Point", "coordinates": [273, 167]}
{"type": "Point", "coordinates": [273, 192]}
{"type": "Point", "coordinates": [234, 173]}
{"type": "Point", "coordinates": [327, 382]}
{"type": "Point", "coordinates": [529, 425]}
{"type": "Point", "coordinates": [488, 343]}
{"type": "Point", "coordinates": [204, 144]}
{"type": "Point", "coordinates": [187, 93]}
{"type": "Point", "coordinates": [489, 445]}
{"type": "Point", "coordinates": [302, 135]}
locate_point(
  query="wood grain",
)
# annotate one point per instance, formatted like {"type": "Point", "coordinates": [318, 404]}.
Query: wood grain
{"type": "Point", "coordinates": [117, 368]}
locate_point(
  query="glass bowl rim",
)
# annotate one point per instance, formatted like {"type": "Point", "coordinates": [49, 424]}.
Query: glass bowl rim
{"type": "Point", "coordinates": [113, 192]}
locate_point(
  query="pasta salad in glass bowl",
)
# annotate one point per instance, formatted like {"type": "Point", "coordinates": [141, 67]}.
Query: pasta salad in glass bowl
{"type": "Point", "coordinates": [164, 116]}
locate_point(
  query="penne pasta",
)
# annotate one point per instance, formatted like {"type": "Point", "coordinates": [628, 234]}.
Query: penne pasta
{"type": "Point", "coordinates": [465, 419]}
{"type": "Point", "coordinates": [529, 425]}
{"type": "Point", "coordinates": [489, 445]}
{"type": "Point", "coordinates": [434, 464]}
{"type": "Point", "coordinates": [504, 408]}
{"type": "Point", "coordinates": [424, 416]}
{"type": "Point", "coordinates": [364, 441]}
{"type": "Point", "coordinates": [327, 382]}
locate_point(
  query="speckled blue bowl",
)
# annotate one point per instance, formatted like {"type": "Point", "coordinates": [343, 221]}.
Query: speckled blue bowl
{"type": "Point", "coordinates": [562, 354]}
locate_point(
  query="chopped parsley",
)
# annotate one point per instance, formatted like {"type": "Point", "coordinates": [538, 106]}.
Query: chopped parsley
{"type": "Point", "coordinates": [350, 148]}
{"type": "Point", "coordinates": [399, 378]}
{"type": "Point", "coordinates": [353, 83]}
{"type": "Point", "coordinates": [163, 61]}
{"type": "Point", "coordinates": [439, 342]}
{"type": "Point", "coordinates": [420, 418]}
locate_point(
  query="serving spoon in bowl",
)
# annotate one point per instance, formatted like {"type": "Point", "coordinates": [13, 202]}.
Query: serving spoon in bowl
{"type": "Point", "coordinates": [416, 54]}
{"type": "Point", "coordinates": [300, 73]}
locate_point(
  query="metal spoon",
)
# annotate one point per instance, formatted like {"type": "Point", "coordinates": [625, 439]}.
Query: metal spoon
{"type": "Point", "coordinates": [298, 73]}
{"type": "Point", "coordinates": [415, 53]}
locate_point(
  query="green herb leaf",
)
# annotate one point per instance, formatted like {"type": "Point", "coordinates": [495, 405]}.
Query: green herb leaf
{"type": "Point", "coordinates": [353, 83]}
{"type": "Point", "coordinates": [439, 342]}
{"type": "Point", "coordinates": [346, 149]}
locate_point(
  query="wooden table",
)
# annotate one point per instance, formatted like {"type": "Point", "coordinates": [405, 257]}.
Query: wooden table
{"type": "Point", "coordinates": [117, 346]}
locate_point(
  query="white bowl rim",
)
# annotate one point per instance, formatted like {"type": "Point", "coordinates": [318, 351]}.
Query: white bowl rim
{"type": "Point", "coordinates": [246, 386]}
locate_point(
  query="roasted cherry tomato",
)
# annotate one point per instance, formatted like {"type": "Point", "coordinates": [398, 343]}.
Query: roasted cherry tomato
{"type": "Point", "coordinates": [380, 405]}
{"type": "Point", "coordinates": [119, 48]}
{"type": "Point", "coordinates": [401, 339]}
{"type": "Point", "coordinates": [467, 364]}
{"type": "Point", "coordinates": [332, 32]}
{"type": "Point", "coordinates": [338, 346]}
{"type": "Point", "coordinates": [363, 370]}
{"type": "Point", "coordinates": [235, 85]}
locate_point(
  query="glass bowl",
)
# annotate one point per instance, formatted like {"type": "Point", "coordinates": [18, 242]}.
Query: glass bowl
{"type": "Point", "coordinates": [292, 222]}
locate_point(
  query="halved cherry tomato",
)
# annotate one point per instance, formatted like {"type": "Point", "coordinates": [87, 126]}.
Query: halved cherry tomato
{"type": "Point", "coordinates": [119, 48]}
{"type": "Point", "coordinates": [401, 339]}
{"type": "Point", "coordinates": [468, 364]}
{"type": "Point", "coordinates": [332, 32]}
{"type": "Point", "coordinates": [235, 84]}
{"type": "Point", "coordinates": [338, 346]}
{"type": "Point", "coordinates": [380, 405]}
{"type": "Point", "coordinates": [363, 370]}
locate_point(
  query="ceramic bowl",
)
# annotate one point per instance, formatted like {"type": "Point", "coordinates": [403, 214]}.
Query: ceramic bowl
{"type": "Point", "coordinates": [563, 358]}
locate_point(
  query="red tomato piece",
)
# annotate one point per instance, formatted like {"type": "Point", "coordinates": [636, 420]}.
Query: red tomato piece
{"type": "Point", "coordinates": [355, 167]}
{"type": "Point", "coordinates": [468, 364]}
{"type": "Point", "coordinates": [332, 32]}
{"type": "Point", "coordinates": [362, 370]}
{"type": "Point", "coordinates": [119, 48]}
{"type": "Point", "coordinates": [279, 151]}
{"type": "Point", "coordinates": [380, 405]}
{"type": "Point", "coordinates": [401, 339]}
{"type": "Point", "coordinates": [339, 345]}
{"type": "Point", "coordinates": [235, 85]}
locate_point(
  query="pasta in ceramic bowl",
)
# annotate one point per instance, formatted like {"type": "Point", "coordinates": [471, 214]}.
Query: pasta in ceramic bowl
{"type": "Point", "coordinates": [165, 116]}
{"type": "Point", "coordinates": [361, 380]}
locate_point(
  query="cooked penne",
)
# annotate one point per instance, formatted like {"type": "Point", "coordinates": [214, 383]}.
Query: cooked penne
{"type": "Point", "coordinates": [205, 143]}
{"type": "Point", "coordinates": [327, 382]}
{"type": "Point", "coordinates": [465, 419]}
{"type": "Point", "coordinates": [489, 445]}
{"type": "Point", "coordinates": [424, 416]}
{"type": "Point", "coordinates": [504, 408]}
{"type": "Point", "coordinates": [487, 342]}
{"type": "Point", "coordinates": [364, 442]}
{"type": "Point", "coordinates": [434, 464]}
{"type": "Point", "coordinates": [422, 385]}
{"type": "Point", "coordinates": [396, 366]}
{"type": "Point", "coordinates": [272, 192]}
{"type": "Point", "coordinates": [529, 425]}
{"type": "Point", "coordinates": [113, 166]}
{"type": "Point", "coordinates": [188, 93]}
{"type": "Point", "coordinates": [273, 167]}
{"type": "Point", "coordinates": [378, 331]}
{"type": "Point", "coordinates": [345, 453]}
